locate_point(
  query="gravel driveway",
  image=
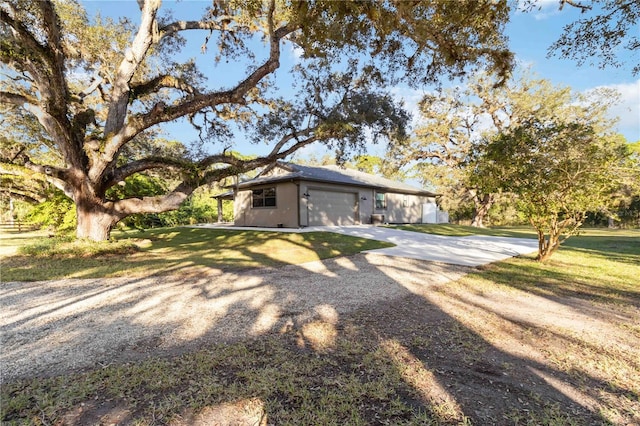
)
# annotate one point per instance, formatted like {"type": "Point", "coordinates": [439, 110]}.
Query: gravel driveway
{"type": "Point", "coordinates": [51, 327]}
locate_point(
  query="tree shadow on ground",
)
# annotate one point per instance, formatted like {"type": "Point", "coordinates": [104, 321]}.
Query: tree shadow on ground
{"type": "Point", "coordinates": [190, 251]}
{"type": "Point", "coordinates": [551, 281]}
{"type": "Point", "coordinates": [350, 340]}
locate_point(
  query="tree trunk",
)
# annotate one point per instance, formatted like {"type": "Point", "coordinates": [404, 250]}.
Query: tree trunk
{"type": "Point", "coordinates": [547, 246]}
{"type": "Point", "coordinates": [94, 221]}
{"type": "Point", "coordinates": [481, 209]}
{"type": "Point", "coordinates": [12, 213]}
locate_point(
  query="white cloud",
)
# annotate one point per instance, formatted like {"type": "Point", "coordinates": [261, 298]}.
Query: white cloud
{"type": "Point", "coordinates": [541, 9]}
{"type": "Point", "coordinates": [548, 3]}
{"type": "Point", "coordinates": [628, 110]}
{"type": "Point", "coordinates": [411, 99]}
{"type": "Point", "coordinates": [297, 51]}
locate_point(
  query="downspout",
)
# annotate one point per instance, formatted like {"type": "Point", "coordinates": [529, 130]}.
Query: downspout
{"type": "Point", "coordinates": [298, 205]}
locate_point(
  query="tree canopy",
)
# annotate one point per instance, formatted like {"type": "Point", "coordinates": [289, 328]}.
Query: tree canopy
{"type": "Point", "coordinates": [560, 159]}
{"type": "Point", "coordinates": [93, 91]}
{"type": "Point", "coordinates": [456, 123]}
{"type": "Point", "coordinates": [607, 34]}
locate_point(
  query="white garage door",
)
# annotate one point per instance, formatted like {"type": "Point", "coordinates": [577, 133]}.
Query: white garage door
{"type": "Point", "coordinates": [331, 208]}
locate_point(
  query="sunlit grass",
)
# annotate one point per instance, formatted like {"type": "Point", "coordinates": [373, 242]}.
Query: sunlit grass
{"type": "Point", "coordinates": [173, 250]}
{"type": "Point", "coordinates": [451, 230]}
{"type": "Point", "coordinates": [11, 240]}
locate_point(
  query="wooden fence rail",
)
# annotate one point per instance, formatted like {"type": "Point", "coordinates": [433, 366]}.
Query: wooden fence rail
{"type": "Point", "coordinates": [18, 226]}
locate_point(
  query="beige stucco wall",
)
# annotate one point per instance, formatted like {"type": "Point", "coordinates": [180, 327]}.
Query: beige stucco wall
{"type": "Point", "coordinates": [285, 212]}
{"type": "Point", "coordinates": [397, 212]}
{"type": "Point", "coordinates": [292, 209]}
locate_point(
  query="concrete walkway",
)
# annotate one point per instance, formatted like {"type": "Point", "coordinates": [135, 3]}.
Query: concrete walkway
{"type": "Point", "coordinates": [473, 250]}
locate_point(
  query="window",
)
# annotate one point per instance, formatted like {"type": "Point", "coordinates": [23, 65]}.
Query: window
{"type": "Point", "coordinates": [405, 201]}
{"type": "Point", "coordinates": [381, 201]}
{"type": "Point", "coordinates": [263, 197]}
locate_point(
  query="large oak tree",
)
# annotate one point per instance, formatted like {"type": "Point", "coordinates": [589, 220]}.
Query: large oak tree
{"type": "Point", "coordinates": [97, 87]}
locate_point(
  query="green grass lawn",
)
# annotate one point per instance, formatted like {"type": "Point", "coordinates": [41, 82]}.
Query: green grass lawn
{"type": "Point", "coordinates": [597, 265]}
{"type": "Point", "coordinates": [171, 250]}
{"type": "Point", "coordinates": [451, 230]}
{"type": "Point", "coordinates": [367, 378]}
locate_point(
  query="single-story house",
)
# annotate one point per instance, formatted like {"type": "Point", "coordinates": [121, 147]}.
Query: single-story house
{"type": "Point", "coordinates": [292, 196]}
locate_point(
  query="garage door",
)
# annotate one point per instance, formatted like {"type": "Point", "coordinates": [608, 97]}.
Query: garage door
{"type": "Point", "coordinates": [331, 208]}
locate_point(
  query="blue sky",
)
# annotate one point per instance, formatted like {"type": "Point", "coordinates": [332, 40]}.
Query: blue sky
{"type": "Point", "coordinates": [530, 35]}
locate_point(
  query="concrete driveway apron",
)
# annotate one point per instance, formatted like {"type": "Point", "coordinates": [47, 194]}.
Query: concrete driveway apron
{"type": "Point", "coordinates": [473, 250]}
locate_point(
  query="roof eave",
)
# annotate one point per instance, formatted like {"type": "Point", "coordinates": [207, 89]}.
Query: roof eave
{"type": "Point", "coordinates": [280, 179]}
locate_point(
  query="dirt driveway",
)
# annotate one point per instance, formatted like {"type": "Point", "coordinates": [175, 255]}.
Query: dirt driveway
{"type": "Point", "coordinates": [488, 353]}
{"type": "Point", "coordinates": [51, 327]}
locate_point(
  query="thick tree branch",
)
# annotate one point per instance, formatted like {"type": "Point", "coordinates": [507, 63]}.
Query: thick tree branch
{"type": "Point", "coordinates": [22, 52]}
{"type": "Point", "coordinates": [53, 175]}
{"type": "Point", "coordinates": [50, 78]}
{"type": "Point", "coordinates": [26, 42]}
{"type": "Point", "coordinates": [161, 114]}
{"type": "Point", "coordinates": [241, 166]}
{"type": "Point", "coordinates": [132, 60]}
{"type": "Point", "coordinates": [235, 95]}
{"type": "Point", "coordinates": [55, 129]}
{"type": "Point", "coordinates": [92, 87]}
{"type": "Point", "coordinates": [45, 64]}
{"type": "Point", "coordinates": [56, 57]}
{"type": "Point", "coordinates": [118, 134]}
{"type": "Point", "coordinates": [150, 163]}
{"type": "Point", "coordinates": [157, 204]}
{"type": "Point", "coordinates": [24, 195]}
{"type": "Point", "coordinates": [235, 164]}
{"type": "Point", "coordinates": [220, 23]}
{"type": "Point", "coordinates": [172, 200]}
{"type": "Point", "coordinates": [221, 159]}
{"type": "Point", "coordinates": [16, 99]}
{"type": "Point", "coordinates": [163, 81]}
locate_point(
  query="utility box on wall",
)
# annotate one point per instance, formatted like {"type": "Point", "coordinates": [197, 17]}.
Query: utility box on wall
{"type": "Point", "coordinates": [377, 219]}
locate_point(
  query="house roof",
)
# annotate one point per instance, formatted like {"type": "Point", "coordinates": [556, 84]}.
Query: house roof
{"type": "Point", "coordinates": [228, 195]}
{"type": "Point", "coordinates": [335, 175]}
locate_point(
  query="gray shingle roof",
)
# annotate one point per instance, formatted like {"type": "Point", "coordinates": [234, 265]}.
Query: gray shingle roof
{"type": "Point", "coordinates": [336, 175]}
